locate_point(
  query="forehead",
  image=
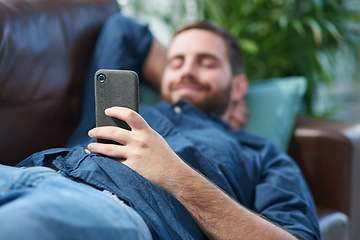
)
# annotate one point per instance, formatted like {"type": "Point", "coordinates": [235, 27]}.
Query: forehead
{"type": "Point", "coordinates": [198, 41]}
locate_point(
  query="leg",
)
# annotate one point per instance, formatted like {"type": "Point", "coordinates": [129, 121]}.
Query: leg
{"type": "Point", "coordinates": [38, 203]}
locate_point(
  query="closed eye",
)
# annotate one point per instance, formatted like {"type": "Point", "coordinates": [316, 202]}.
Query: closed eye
{"type": "Point", "coordinates": [208, 61]}
{"type": "Point", "coordinates": [176, 62]}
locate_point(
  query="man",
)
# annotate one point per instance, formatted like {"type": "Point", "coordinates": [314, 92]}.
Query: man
{"type": "Point", "coordinates": [200, 71]}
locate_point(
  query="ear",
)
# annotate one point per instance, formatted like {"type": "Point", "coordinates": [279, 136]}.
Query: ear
{"type": "Point", "coordinates": [239, 87]}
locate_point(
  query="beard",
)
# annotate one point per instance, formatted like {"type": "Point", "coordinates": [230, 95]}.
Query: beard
{"type": "Point", "coordinates": [209, 101]}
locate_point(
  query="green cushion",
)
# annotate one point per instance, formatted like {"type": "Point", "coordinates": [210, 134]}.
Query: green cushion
{"type": "Point", "coordinates": [273, 106]}
{"type": "Point", "coordinates": [148, 94]}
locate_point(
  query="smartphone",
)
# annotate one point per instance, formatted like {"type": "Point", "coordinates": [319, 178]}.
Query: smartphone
{"type": "Point", "coordinates": [115, 88]}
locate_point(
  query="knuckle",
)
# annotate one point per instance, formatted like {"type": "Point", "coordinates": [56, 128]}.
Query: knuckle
{"type": "Point", "coordinates": [141, 144]}
{"type": "Point", "coordinates": [112, 132]}
{"type": "Point", "coordinates": [130, 114]}
{"type": "Point", "coordinates": [111, 151]}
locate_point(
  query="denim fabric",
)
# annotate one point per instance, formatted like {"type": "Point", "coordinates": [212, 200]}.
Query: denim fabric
{"type": "Point", "coordinates": [165, 216]}
{"type": "Point", "coordinates": [247, 167]}
{"type": "Point", "coordinates": [38, 203]}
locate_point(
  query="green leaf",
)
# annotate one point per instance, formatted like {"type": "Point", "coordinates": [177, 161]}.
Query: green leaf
{"type": "Point", "coordinates": [249, 46]}
{"type": "Point", "coordinates": [316, 30]}
{"type": "Point", "coordinates": [333, 31]}
{"type": "Point", "coordinates": [298, 26]}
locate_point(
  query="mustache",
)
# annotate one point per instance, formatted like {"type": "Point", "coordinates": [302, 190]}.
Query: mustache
{"type": "Point", "coordinates": [189, 82]}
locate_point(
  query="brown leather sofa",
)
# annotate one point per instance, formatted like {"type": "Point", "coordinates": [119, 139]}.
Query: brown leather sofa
{"type": "Point", "coordinates": [45, 47]}
{"type": "Point", "coordinates": [328, 153]}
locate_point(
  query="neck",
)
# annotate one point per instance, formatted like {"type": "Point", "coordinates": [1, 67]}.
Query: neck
{"type": "Point", "coordinates": [236, 114]}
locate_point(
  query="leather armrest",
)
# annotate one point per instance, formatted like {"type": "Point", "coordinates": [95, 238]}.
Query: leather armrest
{"type": "Point", "coordinates": [334, 225]}
{"type": "Point", "coordinates": [328, 153]}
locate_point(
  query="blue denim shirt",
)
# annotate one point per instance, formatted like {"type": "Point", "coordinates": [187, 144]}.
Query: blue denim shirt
{"type": "Point", "coordinates": [247, 167]}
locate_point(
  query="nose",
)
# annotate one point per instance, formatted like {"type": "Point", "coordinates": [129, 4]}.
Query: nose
{"type": "Point", "coordinates": [188, 69]}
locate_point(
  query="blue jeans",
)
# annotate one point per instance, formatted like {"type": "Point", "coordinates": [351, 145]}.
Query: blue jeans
{"type": "Point", "coordinates": [39, 203]}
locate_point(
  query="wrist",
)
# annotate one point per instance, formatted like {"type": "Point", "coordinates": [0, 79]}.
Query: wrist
{"type": "Point", "coordinates": [175, 176]}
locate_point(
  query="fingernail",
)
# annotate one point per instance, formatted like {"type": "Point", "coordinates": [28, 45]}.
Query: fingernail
{"type": "Point", "coordinates": [90, 147]}
{"type": "Point", "coordinates": [90, 132]}
{"type": "Point", "coordinates": [107, 111]}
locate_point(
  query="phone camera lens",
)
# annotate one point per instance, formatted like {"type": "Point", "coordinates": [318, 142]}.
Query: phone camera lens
{"type": "Point", "coordinates": [101, 77]}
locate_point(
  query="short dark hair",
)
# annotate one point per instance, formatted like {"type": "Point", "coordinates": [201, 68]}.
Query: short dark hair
{"type": "Point", "coordinates": [234, 51]}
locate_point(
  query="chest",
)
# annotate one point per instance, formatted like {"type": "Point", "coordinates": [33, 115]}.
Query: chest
{"type": "Point", "coordinates": [219, 155]}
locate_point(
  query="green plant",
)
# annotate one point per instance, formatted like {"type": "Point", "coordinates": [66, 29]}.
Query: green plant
{"type": "Point", "coordinates": [279, 37]}
{"type": "Point", "coordinates": [286, 37]}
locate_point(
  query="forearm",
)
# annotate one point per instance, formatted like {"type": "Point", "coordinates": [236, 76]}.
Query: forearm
{"type": "Point", "coordinates": [154, 64]}
{"type": "Point", "coordinates": [218, 215]}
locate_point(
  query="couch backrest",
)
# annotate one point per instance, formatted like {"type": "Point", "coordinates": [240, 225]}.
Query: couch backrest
{"type": "Point", "coordinates": [45, 47]}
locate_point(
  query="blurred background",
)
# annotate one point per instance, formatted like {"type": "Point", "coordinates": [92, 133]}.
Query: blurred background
{"type": "Point", "coordinates": [313, 38]}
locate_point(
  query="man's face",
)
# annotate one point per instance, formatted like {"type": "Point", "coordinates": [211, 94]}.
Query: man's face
{"type": "Point", "coordinates": [198, 71]}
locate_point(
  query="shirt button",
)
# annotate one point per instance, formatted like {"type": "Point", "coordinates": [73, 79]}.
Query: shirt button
{"type": "Point", "coordinates": [177, 109]}
{"type": "Point", "coordinates": [87, 151]}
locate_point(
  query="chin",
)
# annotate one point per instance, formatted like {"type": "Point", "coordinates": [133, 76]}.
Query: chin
{"type": "Point", "coordinates": [191, 100]}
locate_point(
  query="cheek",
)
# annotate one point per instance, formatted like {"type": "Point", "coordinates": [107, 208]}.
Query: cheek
{"type": "Point", "coordinates": [168, 76]}
{"type": "Point", "coordinates": [217, 80]}
{"type": "Point", "coordinates": [165, 83]}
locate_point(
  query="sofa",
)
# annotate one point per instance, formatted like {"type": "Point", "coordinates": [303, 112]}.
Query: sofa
{"type": "Point", "coordinates": [45, 49]}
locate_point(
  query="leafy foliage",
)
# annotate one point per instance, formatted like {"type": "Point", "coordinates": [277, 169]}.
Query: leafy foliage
{"type": "Point", "coordinates": [285, 37]}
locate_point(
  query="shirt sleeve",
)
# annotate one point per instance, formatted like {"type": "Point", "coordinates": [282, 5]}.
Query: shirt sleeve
{"type": "Point", "coordinates": [283, 196]}
{"type": "Point", "coordinates": [123, 44]}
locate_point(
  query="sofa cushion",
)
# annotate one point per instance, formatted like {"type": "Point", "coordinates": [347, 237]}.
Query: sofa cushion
{"type": "Point", "coordinates": [273, 106]}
